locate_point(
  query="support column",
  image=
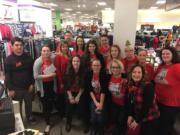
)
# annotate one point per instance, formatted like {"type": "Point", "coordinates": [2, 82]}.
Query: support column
{"type": "Point", "coordinates": [58, 21]}
{"type": "Point", "coordinates": [125, 22]}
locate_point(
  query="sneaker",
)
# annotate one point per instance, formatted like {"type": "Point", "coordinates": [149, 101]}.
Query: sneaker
{"type": "Point", "coordinates": [31, 120]}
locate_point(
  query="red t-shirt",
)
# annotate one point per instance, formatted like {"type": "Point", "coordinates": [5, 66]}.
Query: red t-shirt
{"type": "Point", "coordinates": [61, 64]}
{"type": "Point", "coordinates": [129, 63]}
{"type": "Point", "coordinates": [149, 72]}
{"type": "Point", "coordinates": [104, 50]}
{"type": "Point", "coordinates": [93, 57]}
{"type": "Point", "coordinates": [96, 86]}
{"type": "Point", "coordinates": [45, 64]}
{"type": "Point", "coordinates": [167, 78]}
{"type": "Point", "coordinates": [79, 52]}
{"type": "Point", "coordinates": [117, 90]}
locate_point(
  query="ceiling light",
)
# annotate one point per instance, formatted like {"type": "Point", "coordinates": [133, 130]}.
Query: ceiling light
{"type": "Point", "coordinates": [66, 12]}
{"type": "Point", "coordinates": [85, 14]}
{"type": "Point", "coordinates": [68, 9]}
{"type": "Point", "coordinates": [161, 2]}
{"type": "Point", "coordinates": [108, 9]}
{"type": "Point", "coordinates": [78, 12]}
{"type": "Point", "coordinates": [52, 4]}
{"type": "Point", "coordinates": [83, 5]}
{"type": "Point", "coordinates": [153, 7]}
{"type": "Point", "coordinates": [73, 14]}
{"type": "Point", "coordinates": [78, 5]}
{"type": "Point", "coordinates": [102, 3]}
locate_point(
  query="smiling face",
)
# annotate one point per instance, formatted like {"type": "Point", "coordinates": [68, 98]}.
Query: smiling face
{"type": "Point", "coordinates": [96, 66]}
{"type": "Point", "coordinates": [80, 43]}
{"type": "Point", "coordinates": [115, 69]}
{"type": "Point", "coordinates": [137, 74]}
{"type": "Point", "coordinates": [104, 40]}
{"type": "Point", "coordinates": [92, 48]}
{"type": "Point", "coordinates": [64, 48]}
{"type": "Point", "coordinates": [45, 52]}
{"type": "Point", "coordinates": [129, 52]}
{"type": "Point", "coordinates": [76, 63]}
{"type": "Point", "coordinates": [142, 56]}
{"type": "Point", "coordinates": [167, 56]}
{"type": "Point", "coordinates": [114, 52]}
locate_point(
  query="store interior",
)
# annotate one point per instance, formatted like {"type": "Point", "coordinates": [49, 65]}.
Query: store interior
{"type": "Point", "coordinates": [46, 21]}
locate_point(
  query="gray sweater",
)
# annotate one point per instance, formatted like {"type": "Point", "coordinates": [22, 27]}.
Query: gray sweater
{"type": "Point", "coordinates": [38, 75]}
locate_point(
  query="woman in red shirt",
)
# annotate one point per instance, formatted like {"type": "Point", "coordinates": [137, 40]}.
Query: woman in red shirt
{"type": "Point", "coordinates": [115, 53]}
{"type": "Point", "coordinates": [118, 91]}
{"type": "Point", "coordinates": [91, 54]}
{"type": "Point", "coordinates": [142, 55]}
{"type": "Point", "coordinates": [45, 82]}
{"type": "Point", "coordinates": [61, 60]}
{"type": "Point", "coordinates": [167, 80]}
{"type": "Point", "coordinates": [104, 46]}
{"type": "Point", "coordinates": [96, 84]}
{"type": "Point", "coordinates": [80, 47]}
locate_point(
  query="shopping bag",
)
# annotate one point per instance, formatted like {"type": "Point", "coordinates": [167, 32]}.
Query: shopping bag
{"type": "Point", "coordinates": [134, 131]}
{"type": "Point", "coordinates": [7, 119]}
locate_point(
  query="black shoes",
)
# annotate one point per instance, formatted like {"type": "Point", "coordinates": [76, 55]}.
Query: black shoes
{"type": "Point", "coordinates": [68, 127]}
{"type": "Point", "coordinates": [86, 129]}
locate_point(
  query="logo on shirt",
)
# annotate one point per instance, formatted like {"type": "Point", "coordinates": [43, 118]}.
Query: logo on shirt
{"type": "Point", "coordinates": [160, 77]}
{"type": "Point", "coordinates": [115, 89]}
{"type": "Point", "coordinates": [18, 64]}
{"type": "Point", "coordinates": [96, 86]}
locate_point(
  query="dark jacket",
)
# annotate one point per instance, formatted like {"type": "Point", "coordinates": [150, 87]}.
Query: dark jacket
{"type": "Point", "coordinates": [19, 72]}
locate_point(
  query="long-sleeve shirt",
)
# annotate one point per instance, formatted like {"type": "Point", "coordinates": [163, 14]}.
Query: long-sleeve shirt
{"type": "Point", "coordinates": [19, 72]}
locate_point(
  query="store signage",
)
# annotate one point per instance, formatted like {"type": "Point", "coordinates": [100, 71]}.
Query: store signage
{"type": "Point", "coordinates": [6, 12]}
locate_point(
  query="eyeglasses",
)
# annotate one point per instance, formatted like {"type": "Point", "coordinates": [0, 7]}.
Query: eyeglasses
{"type": "Point", "coordinates": [115, 67]}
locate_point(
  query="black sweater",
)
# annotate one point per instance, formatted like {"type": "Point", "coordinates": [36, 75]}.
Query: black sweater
{"type": "Point", "coordinates": [19, 72]}
{"type": "Point", "coordinates": [148, 96]}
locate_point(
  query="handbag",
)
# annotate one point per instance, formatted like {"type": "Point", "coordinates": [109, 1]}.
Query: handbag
{"type": "Point", "coordinates": [6, 116]}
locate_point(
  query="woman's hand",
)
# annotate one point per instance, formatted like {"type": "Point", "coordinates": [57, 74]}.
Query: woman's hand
{"type": "Point", "coordinates": [77, 99]}
{"type": "Point", "coordinates": [130, 120]}
{"type": "Point", "coordinates": [133, 125]}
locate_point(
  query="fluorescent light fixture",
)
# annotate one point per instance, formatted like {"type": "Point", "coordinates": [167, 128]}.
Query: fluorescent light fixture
{"type": "Point", "coordinates": [83, 5]}
{"type": "Point", "coordinates": [52, 5]}
{"type": "Point", "coordinates": [68, 9]}
{"type": "Point", "coordinates": [74, 14]}
{"type": "Point", "coordinates": [108, 9]}
{"type": "Point", "coordinates": [78, 12]}
{"type": "Point", "coordinates": [85, 14]}
{"type": "Point", "coordinates": [153, 7]}
{"type": "Point", "coordinates": [161, 2]}
{"type": "Point", "coordinates": [102, 3]}
{"type": "Point", "coordinates": [78, 5]}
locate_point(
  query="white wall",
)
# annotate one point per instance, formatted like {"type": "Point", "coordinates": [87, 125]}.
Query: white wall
{"type": "Point", "coordinates": [160, 18]}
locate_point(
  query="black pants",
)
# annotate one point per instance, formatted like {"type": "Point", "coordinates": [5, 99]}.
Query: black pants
{"type": "Point", "coordinates": [82, 109]}
{"type": "Point", "coordinates": [119, 119]}
{"type": "Point", "coordinates": [150, 127]}
{"type": "Point", "coordinates": [61, 104]}
{"type": "Point", "coordinates": [48, 100]}
{"type": "Point", "coordinates": [167, 119]}
{"type": "Point", "coordinates": [27, 97]}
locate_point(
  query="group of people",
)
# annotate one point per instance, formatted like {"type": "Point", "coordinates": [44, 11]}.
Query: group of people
{"type": "Point", "coordinates": [123, 96]}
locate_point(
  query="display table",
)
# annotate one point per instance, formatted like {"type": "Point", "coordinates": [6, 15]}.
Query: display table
{"type": "Point", "coordinates": [36, 132]}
